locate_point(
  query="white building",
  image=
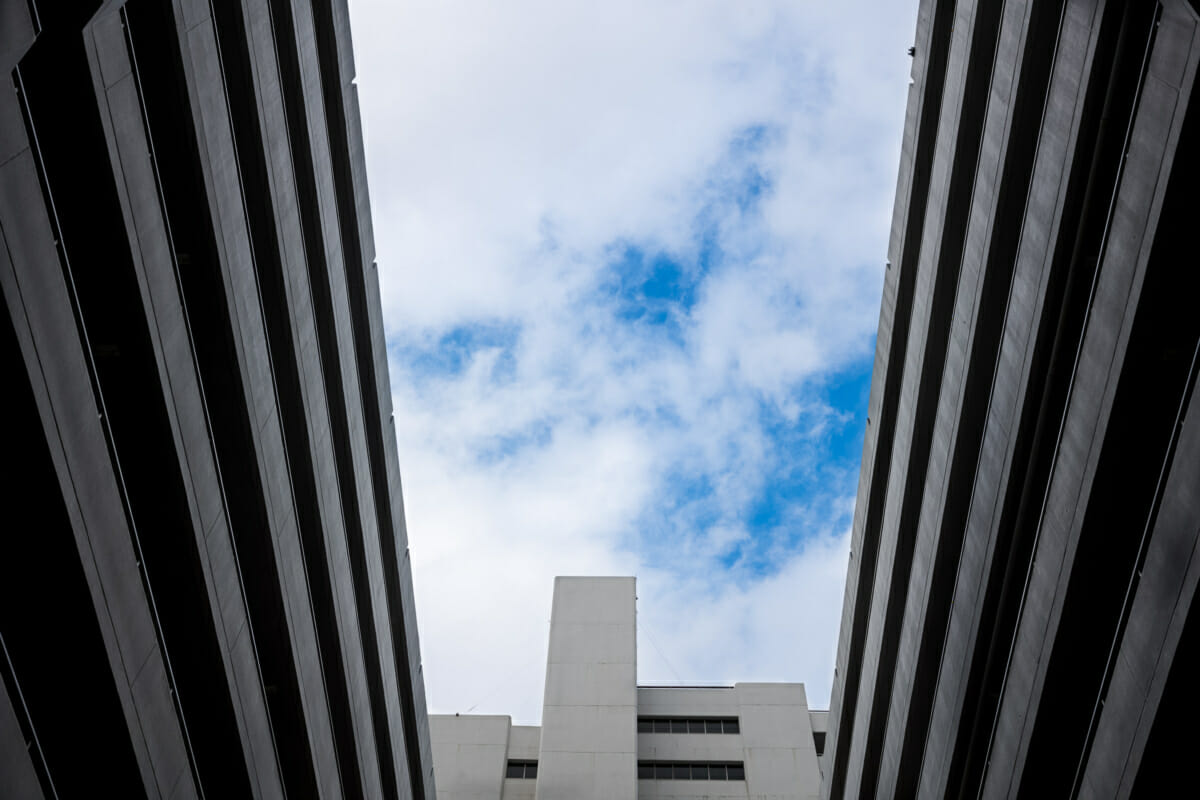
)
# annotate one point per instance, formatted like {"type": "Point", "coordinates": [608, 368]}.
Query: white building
{"type": "Point", "coordinates": [603, 736]}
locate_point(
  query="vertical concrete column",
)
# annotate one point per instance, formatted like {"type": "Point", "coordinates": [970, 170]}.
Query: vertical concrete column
{"type": "Point", "coordinates": [589, 715]}
{"type": "Point", "coordinates": [781, 756]}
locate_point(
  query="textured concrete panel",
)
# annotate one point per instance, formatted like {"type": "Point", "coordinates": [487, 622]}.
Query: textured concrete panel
{"type": "Point", "coordinates": [469, 755]}
{"type": "Point", "coordinates": [589, 750]}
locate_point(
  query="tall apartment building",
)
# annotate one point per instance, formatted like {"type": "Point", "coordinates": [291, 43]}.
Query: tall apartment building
{"type": "Point", "coordinates": [603, 736]}
{"type": "Point", "coordinates": [204, 578]}
{"type": "Point", "coordinates": [1020, 615]}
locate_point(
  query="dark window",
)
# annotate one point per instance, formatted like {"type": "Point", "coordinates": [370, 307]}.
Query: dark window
{"type": "Point", "coordinates": [819, 741]}
{"type": "Point", "coordinates": [691, 771]}
{"type": "Point", "coordinates": [521, 769]}
{"type": "Point", "coordinates": [688, 725]}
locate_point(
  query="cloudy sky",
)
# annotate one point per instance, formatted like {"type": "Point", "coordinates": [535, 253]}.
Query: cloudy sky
{"type": "Point", "coordinates": [631, 255]}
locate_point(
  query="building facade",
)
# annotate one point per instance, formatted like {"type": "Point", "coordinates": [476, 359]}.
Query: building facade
{"type": "Point", "coordinates": [603, 736]}
{"type": "Point", "coordinates": [204, 578]}
{"type": "Point", "coordinates": [1020, 616]}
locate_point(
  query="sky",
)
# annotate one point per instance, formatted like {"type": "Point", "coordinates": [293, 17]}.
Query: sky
{"type": "Point", "coordinates": [630, 257]}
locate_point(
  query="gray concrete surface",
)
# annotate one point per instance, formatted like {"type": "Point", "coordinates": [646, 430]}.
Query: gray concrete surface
{"type": "Point", "coordinates": [589, 744]}
{"type": "Point", "coordinates": [956, 672]}
{"type": "Point", "coordinates": [297, 407]}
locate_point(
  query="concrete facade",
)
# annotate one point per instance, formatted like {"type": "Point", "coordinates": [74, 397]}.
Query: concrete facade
{"type": "Point", "coordinates": [589, 714]}
{"type": "Point", "coordinates": [597, 735]}
{"type": "Point", "coordinates": [1010, 625]}
{"type": "Point", "coordinates": [206, 590]}
{"type": "Point", "coordinates": [775, 741]}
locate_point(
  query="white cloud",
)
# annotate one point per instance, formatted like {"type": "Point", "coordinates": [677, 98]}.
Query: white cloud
{"type": "Point", "coordinates": [513, 149]}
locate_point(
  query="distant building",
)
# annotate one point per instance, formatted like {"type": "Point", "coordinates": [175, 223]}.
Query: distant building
{"type": "Point", "coordinates": [603, 736]}
{"type": "Point", "coordinates": [1021, 617]}
{"type": "Point", "coordinates": [205, 587]}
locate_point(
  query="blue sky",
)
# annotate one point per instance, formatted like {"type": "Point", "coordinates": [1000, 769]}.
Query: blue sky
{"type": "Point", "coordinates": [630, 258]}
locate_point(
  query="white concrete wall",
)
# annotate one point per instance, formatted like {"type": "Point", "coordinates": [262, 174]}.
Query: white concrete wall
{"type": "Point", "coordinates": [781, 757]}
{"type": "Point", "coordinates": [588, 746]}
{"type": "Point", "coordinates": [523, 743]}
{"type": "Point", "coordinates": [589, 716]}
{"type": "Point", "coordinates": [469, 755]}
{"type": "Point", "coordinates": [775, 743]}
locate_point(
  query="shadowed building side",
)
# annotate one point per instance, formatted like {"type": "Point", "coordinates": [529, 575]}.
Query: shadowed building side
{"type": "Point", "coordinates": [1021, 597]}
{"type": "Point", "coordinates": [206, 588]}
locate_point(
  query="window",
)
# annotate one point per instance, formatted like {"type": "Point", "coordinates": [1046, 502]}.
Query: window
{"type": "Point", "coordinates": [819, 741]}
{"type": "Point", "coordinates": [521, 769]}
{"type": "Point", "coordinates": [691, 771]}
{"type": "Point", "coordinates": [688, 725]}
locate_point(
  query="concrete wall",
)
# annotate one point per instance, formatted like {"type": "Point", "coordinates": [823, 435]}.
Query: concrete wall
{"type": "Point", "coordinates": [523, 743]}
{"type": "Point", "coordinates": [225, 379]}
{"type": "Point", "coordinates": [775, 742]}
{"type": "Point", "coordinates": [589, 716]}
{"type": "Point", "coordinates": [589, 747]}
{"type": "Point", "coordinates": [1027, 419]}
{"type": "Point", "coordinates": [469, 755]}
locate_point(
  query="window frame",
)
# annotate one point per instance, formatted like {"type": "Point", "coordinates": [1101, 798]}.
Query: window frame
{"type": "Point", "coordinates": [527, 768]}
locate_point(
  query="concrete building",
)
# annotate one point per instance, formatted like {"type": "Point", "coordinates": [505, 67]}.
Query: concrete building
{"type": "Point", "coordinates": [1020, 615]}
{"type": "Point", "coordinates": [204, 577]}
{"type": "Point", "coordinates": [603, 736]}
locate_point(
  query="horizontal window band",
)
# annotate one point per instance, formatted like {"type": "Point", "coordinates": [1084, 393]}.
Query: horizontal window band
{"type": "Point", "coordinates": [688, 725]}
{"type": "Point", "coordinates": [691, 770]}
